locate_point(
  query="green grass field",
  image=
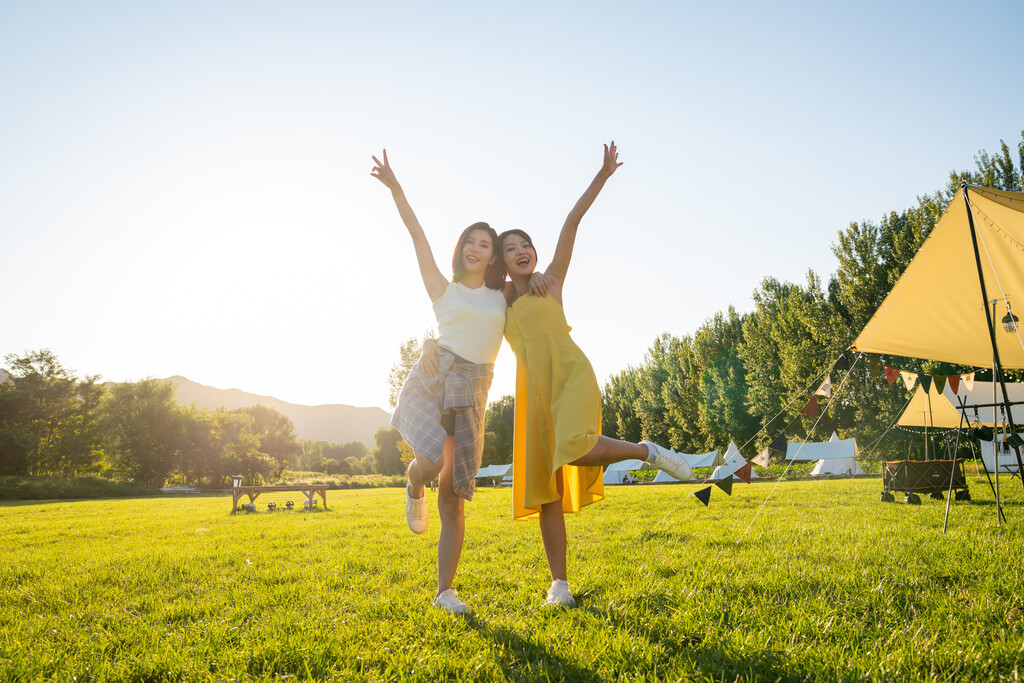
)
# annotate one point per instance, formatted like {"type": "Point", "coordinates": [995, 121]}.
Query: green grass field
{"type": "Point", "coordinates": [828, 584]}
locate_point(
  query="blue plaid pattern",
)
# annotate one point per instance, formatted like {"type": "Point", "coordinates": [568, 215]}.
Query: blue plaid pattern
{"type": "Point", "coordinates": [460, 387]}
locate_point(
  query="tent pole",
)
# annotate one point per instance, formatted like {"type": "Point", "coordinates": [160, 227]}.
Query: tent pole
{"type": "Point", "coordinates": [952, 471]}
{"type": "Point", "coordinates": [931, 419]}
{"type": "Point", "coordinates": [999, 507]}
{"type": "Point", "coordinates": [995, 365]}
{"type": "Point", "coordinates": [998, 366]}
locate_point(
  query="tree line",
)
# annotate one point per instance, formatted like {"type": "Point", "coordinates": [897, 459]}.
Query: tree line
{"type": "Point", "coordinates": [55, 424]}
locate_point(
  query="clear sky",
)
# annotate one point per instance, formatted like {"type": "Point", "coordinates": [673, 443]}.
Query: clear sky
{"type": "Point", "coordinates": [185, 188]}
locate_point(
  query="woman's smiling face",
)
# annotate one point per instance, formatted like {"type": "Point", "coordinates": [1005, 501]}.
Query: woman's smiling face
{"type": "Point", "coordinates": [518, 255]}
{"type": "Point", "coordinates": [478, 252]}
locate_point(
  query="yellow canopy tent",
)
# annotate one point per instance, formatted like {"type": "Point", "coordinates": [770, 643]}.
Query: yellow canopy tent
{"type": "Point", "coordinates": [931, 410]}
{"type": "Point", "coordinates": [954, 300]}
{"type": "Point", "coordinates": [936, 310]}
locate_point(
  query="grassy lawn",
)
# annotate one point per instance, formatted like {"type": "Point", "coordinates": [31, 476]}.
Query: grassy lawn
{"type": "Point", "coordinates": [828, 584]}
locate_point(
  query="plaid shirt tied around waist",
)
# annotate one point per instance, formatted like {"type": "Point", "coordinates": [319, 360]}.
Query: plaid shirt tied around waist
{"type": "Point", "coordinates": [460, 387]}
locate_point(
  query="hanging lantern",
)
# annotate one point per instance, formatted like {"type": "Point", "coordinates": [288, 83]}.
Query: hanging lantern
{"type": "Point", "coordinates": [1010, 322]}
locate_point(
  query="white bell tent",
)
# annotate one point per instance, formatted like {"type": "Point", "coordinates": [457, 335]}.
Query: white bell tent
{"type": "Point", "coordinates": [835, 456]}
{"type": "Point", "coordinates": [619, 472]}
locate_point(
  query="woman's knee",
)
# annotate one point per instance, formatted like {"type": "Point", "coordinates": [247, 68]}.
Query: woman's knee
{"type": "Point", "coordinates": [427, 469]}
{"type": "Point", "coordinates": [449, 505]}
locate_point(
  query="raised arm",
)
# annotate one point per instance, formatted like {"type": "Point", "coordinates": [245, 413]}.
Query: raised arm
{"type": "Point", "coordinates": [567, 238]}
{"type": "Point", "coordinates": [433, 280]}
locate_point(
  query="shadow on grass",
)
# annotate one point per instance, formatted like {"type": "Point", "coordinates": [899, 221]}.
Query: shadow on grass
{"type": "Point", "coordinates": [521, 657]}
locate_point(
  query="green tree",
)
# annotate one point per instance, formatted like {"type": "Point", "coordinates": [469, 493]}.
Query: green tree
{"type": "Point", "coordinates": [143, 429]}
{"type": "Point", "coordinates": [787, 345]}
{"type": "Point", "coordinates": [408, 354]}
{"type": "Point", "coordinates": [499, 425]}
{"type": "Point", "coordinates": [650, 405]}
{"type": "Point", "coordinates": [200, 460]}
{"type": "Point", "coordinates": [343, 451]}
{"type": "Point", "coordinates": [619, 418]}
{"type": "Point", "coordinates": [681, 393]}
{"type": "Point", "coordinates": [47, 427]}
{"type": "Point", "coordinates": [276, 434]}
{"type": "Point", "coordinates": [405, 450]}
{"type": "Point", "coordinates": [239, 446]}
{"type": "Point", "coordinates": [722, 386]}
{"type": "Point", "coordinates": [386, 456]}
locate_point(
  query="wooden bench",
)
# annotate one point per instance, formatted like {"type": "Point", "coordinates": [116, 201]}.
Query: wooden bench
{"type": "Point", "coordinates": [310, 490]}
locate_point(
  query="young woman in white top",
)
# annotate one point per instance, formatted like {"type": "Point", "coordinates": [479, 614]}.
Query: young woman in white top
{"type": "Point", "coordinates": [441, 407]}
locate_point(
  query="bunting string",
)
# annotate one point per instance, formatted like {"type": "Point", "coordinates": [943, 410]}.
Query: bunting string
{"type": "Point", "coordinates": [786, 471]}
{"type": "Point", "coordinates": [814, 381]}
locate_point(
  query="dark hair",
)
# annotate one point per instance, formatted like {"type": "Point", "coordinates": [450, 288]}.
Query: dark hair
{"type": "Point", "coordinates": [501, 246]}
{"type": "Point", "coordinates": [494, 276]}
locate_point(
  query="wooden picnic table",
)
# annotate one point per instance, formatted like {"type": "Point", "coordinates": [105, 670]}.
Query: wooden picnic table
{"type": "Point", "coordinates": [310, 490]}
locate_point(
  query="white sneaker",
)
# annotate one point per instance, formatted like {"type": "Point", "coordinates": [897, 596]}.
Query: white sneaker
{"type": "Point", "coordinates": [669, 461]}
{"type": "Point", "coordinates": [559, 594]}
{"type": "Point", "coordinates": [448, 600]}
{"type": "Point", "coordinates": [416, 513]}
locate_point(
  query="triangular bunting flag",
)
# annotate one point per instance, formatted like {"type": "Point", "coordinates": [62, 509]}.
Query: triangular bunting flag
{"type": "Point", "coordinates": [704, 495]}
{"type": "Point", "coordinates": [779, 443]}
{"type": "Point", "coordinates": [761, 458]}
{"type": "Point", "coordinates": [725, 485]}
{"type": "Point", "coordinates": [968, 381]}
{"type": "Point", "coordinates": [891, 374]}
{"type": "Point", "coordinates": [826, 387]}
{"type": "Point", "coordinates": [811, 409]}
{"type": "Point", "coordinates": [744, 473]}
{"type": "Point", "coordinates": [940, 383]}
{"type": "Point", "coordinates": [842, 363]}
{"type": "Point", "coordinates": [909, 379]}
{"type": "Point", "coordinates": [719, 459]}
{"type": "Point", "coordinates": [954, 383]}
{"type": "Point", "coordinates": [926, 383]}
{"type": "Point", "coordinates": [874, 366]}
{"type": "Point", "coordinates": [798, 431]}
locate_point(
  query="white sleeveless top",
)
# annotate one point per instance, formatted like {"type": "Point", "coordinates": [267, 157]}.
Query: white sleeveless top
{"type": "Point", "coordinates": [470, 321]}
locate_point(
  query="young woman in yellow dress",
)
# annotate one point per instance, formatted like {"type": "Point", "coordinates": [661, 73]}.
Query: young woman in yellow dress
{"type": "Point", "coordinates": [558, 447]}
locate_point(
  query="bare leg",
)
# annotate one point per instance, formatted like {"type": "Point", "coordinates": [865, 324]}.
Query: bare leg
{"type": "Point", "coordinates": [608, 451]}
{"type": "Point", "coordinates": [421, 471]}
{"type": "Point", "coordinates": [552, 533]}
{"type": "Point", "coordinates": [451, 509]}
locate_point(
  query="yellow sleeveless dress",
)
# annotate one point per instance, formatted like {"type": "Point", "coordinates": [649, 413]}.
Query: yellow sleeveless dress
{"type": "Point", "coordinates": [557, 411]}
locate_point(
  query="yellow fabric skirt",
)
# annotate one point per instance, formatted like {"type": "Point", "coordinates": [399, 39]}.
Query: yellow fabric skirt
{"type": "Point", "coordinates": [557, 411]}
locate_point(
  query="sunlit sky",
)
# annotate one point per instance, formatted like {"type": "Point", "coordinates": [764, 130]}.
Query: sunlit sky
{"type": "Point", "coordinates": [185, 188]}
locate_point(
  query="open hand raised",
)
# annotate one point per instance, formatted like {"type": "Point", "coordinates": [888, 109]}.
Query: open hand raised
{"type": "Point", "coordinates": [382, 172]}
{"type": "Point", "coordinates": [611, 159]}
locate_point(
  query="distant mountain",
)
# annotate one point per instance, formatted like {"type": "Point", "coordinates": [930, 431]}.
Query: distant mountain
{"type": "Point", "coordinates": [332, 423]}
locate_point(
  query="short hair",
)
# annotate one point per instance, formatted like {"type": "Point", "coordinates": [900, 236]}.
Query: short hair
{"type": "Point", "coordinates": [494, 276]}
